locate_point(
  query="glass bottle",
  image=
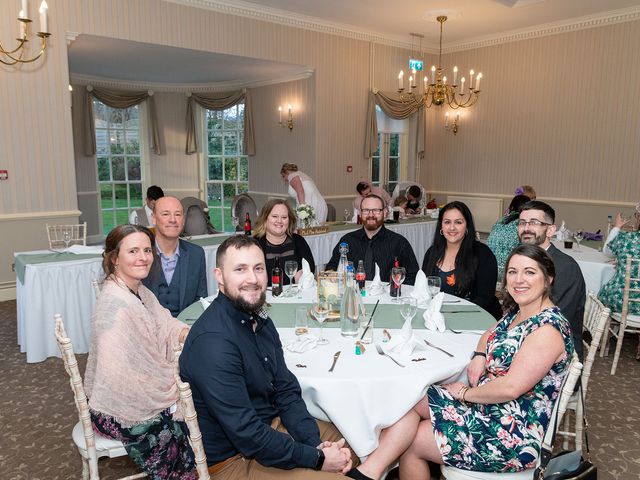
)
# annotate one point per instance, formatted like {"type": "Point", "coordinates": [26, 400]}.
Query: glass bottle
{"type": "Point", "coordinates": [361, 276]}
{"type": "Point", "coordinates": [247, 224]}
{"type": "Point", "coordinates": [342, 268]}
{"type": "Point", "coordinates": [351, 307]}
{"type": "Point", "coordinates": [276, 279]}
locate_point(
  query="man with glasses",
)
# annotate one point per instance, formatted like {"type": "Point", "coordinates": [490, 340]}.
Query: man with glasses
{"type": "Point", "coordinates": [374, 244]}
{"type": "Point", "coordinates": [536, 226]}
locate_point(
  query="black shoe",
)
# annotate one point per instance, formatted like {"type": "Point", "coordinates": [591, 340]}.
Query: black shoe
{"type": "Point", "coordinates": [357, 474]}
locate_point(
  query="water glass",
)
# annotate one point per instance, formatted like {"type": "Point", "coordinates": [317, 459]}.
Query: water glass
{"type": "Point", "coordinates": [408, 308]}
{"type": "Point", "coordinates": [366, 329]}
{"type": "Point", "coordinates": [433, 285]}
{"type": "Point", "coordinates": [290, 268]}
{"type": "Point", "coordinates": [320, 311]}
{"type": "Point", "coordinates": [347, 215]}
{"type": "Point", "coordinates": [398, 275]}
{"type": "Point", "coordinates": [66, 238]}
{"type": "Point", "coordinates": [302, 324]}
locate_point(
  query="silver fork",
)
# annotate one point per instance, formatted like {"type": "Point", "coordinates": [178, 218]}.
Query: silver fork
{"type": "Point", "coordinates": [458, 332]}
{"type": "Point", "coordinates": [381, 352]}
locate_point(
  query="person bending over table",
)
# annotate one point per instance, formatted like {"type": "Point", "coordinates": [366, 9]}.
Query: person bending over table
{"type": "Point", "coordinates": [303, 190]}
{"type": "Point", "coordinates": [129, 377]}
{"type": "Point", "coordinates": [254, 422]}
{"type": "Point", "coordinates": [496, 423]}
{"type": "Point", "coordinates": [375, 244]}
{"type": "Point", "coordinates": [274, 230]}
{"type": "Point", "coordinates": [466, 267]}
{"type": "Point", "coordinates": [621, 245]}
{"type": "Point", "coordinates": [178, 274]}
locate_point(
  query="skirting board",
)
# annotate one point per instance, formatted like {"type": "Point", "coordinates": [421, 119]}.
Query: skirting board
{"type": "Point", "coordinates": [8, 292]}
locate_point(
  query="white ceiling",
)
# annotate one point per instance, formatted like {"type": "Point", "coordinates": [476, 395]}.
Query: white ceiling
{"type": "Point", "coordinates": [470, 22]}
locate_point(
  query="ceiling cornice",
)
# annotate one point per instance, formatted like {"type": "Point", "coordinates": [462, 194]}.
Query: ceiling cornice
{"type": "Point", "coordinates": [76, 79]}
{"type": "Point", "coordinates": [282, 17]}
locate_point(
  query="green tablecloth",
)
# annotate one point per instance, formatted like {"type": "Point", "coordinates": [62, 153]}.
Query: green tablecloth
{"type": "Point", "coordinates": [21, 261]}
{"type": "Point", "coordinates": [463, 317]}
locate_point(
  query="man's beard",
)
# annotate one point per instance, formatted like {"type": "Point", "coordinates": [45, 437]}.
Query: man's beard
{"type": "Point", "coordinates": [537, 239]}
{"type": "Point", "coordinates": [375, 226]}
{"type": "Point", "coordinates": [242, 304]}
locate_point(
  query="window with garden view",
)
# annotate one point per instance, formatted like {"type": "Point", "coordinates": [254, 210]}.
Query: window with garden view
{"type": "Point", "coordinates": [119, 165]}
{"type": "Point", "coordinates": [226, 165]}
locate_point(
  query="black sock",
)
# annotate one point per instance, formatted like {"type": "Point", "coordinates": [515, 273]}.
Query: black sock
{"type": "Point", "coordinates": [357, 474]}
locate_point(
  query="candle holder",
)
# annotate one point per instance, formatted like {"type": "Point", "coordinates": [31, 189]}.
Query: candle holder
{"type": "Point", "coordinates": [451, 126]}
{"type": "Point", "coordinates": [12, 57]}
{"type": "Point", "coordinates": [289, 121]}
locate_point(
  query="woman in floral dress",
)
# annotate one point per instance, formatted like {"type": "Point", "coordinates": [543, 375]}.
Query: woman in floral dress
{"type": "Point", "coordinates": [621, 245]}
{"type": "Point", "coordinates": [497, 422]}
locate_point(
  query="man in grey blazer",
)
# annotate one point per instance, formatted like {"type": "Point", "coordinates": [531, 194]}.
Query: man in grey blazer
{"type": "Point", "coordinates": [536, 226]}
{"type": "Point", "coordinates": [178, 274]}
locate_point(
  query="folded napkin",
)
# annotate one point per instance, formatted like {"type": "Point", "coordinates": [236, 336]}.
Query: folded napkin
{"type": "Point", "coordinates": [303, 343]}
{"type": "Point", "coordinates": [420, 292]}
{"type": "Point", "coordinates": [376, 287]}
{"type": "Point", "coordinates": [404, 342]}
{"type": "Point", "coordinates": [433, 318]}
{"type": "Point", "coordinates": [84, 249]}
{"type": "Point", "coordinates": [307, 280]}
{"type": "Point", "coordinates": [205, 302]}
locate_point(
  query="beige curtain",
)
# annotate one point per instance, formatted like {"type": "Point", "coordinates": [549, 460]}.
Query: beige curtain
{"type": "Point", "coordinates": [392, 106]}
{"type": "Point", "coordinates": [118, 99]}
{"type": "Point", "coordinates": [220, 101]}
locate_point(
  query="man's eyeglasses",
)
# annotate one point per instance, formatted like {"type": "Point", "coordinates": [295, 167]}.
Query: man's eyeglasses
{"type": "Point", "coordinates": [375, 211]}
{"type": "Point", "coordinates": [533, 223]}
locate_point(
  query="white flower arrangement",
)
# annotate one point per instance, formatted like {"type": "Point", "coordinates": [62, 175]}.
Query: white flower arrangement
{"type": "Point", "coordinates": [306, 215]}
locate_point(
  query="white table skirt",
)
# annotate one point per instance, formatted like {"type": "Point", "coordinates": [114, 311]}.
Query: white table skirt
{"type": "Point", "coordinates": [594, 265]}
{"type": "Point", "coordinates": [369, 392]}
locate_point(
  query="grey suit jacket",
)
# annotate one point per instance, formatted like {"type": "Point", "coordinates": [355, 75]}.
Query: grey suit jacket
{"type": "Point", "coordinates": [569, 293]}
{"type": "Point", "coordinates": [193, 274]}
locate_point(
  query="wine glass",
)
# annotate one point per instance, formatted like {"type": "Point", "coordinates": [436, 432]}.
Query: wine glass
{"type": "Point", "coordinates": [578, 238]}
{"type": "Point", "coordinates": [66, 238]}
{"type": "Point", "coordinates": [408, 307]}
{"type": "Point", "coordinates": [290, 269]}
{"type": "Point", "coordinates": [433, 285]}
{"type": "Point", "coordinates": [320, 311]}
{"type": "Point", "coordinates": [398, 275]}
{"type": "Point", "coordinates": [235, 221]}
{"type": "Point", "coordinates": [347, 215]}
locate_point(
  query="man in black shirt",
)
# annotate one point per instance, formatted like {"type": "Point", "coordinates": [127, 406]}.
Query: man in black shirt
{"type": "Point", "coordinates": [253, 420]}
{"type": "Point", "coordinates": [373, 243]}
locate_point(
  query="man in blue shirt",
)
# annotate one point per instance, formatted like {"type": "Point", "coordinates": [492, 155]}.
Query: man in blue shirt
{"type": "Point", "coordinates": [253, 420]}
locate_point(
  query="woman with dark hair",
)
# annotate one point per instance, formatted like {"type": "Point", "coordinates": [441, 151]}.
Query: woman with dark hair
{"type": "Point", "coordinates": [467, 267]}
{"type": "Point", "coordinates": [275, 232]}
{"type": "Point", "coordinates": [504, 233]}
{"type": "Point", "coordinates": [130, 370]}
{"type": "Point", "coordinates": [496, 422]}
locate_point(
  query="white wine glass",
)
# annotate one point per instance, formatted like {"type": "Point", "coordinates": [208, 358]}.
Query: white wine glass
{"type": "Point", "coordinates": [408, 307]}
{"type": "Point", "coordinates": [578, 238]}
{"type": "Point", "coordinates": [320, 311]}
{"type": "Point", "coordinates": [290, 269]}
{"type": "Point", "coordinates": [433, 285]}
{"type": "Point", "coordinates": [235, 221]}
{"type": "Point", "coordinates": [66, 238]}
{"type": "Point", "coordinates": [347, 215]}
{"type": "Point", "coordinates": [398, 275]}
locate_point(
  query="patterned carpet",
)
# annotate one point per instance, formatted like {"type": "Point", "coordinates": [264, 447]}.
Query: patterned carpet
{"type": "Point", "coordinates": [37, 414]}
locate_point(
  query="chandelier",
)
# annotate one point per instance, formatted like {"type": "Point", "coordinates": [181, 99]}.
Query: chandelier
{"type": "Point", "coordinates": [11, 57]}
{"type": "Point", "coordinates": [436, 90]}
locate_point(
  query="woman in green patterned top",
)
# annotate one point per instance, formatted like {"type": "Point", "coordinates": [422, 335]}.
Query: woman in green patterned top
{"type": "Point", "coordinates": [504, 233]}
{"type": "Point", "coordinates": [497, 422]}
{"type": "Point", "coordinates": [621, 245]}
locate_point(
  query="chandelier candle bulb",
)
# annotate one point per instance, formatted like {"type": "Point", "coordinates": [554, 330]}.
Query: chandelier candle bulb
{"type": "Point", "coordinates": [24, 12]}
{"type": "Point", "coordinates": [462, 86]}
{"type": "Point", "coordinates": [400, 80]}
{"type": "Point", "coordinates": [446, 119]}
{"type": "Point", "coordinates": [23, 25]}
{"type": "Point", "coordinates": [455, 76]}
{"type": "Point", "coordinates": [433, 74]}
{"type": "Point", "coordinates": [280, 114]}
{"type": "Point", "coordinates": [415, 77]}
{"type": "Point", "coordinates": [290, 108]}
{"type": "Point", "coordinates": [444, 80]}
{"type": "Point", "coordinates": [43, 16]}
{"type": "Point", "coordinates": [478, 81]}
{"type": "Point", "coordinates": [471, 74]}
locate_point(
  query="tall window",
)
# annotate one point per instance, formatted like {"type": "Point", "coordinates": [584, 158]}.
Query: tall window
{"type": "Point", "coordinates": [227, 166]}
{"type": "Point", "coordinates": [385, 161]}
{"type": "Point", "coordinates": [119, 166]}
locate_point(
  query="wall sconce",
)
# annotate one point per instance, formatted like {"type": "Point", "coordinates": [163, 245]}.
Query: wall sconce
{"type": "Point", "coordinates": [289, 122]}
{"type": "Point", "coordinates": [451, 126]}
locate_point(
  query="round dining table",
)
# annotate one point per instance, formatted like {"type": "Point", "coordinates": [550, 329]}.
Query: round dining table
{"type": "Point", "coordinates": [367, 392]}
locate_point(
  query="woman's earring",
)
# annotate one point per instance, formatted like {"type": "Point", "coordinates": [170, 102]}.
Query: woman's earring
{"type": "Point", "coordinates": [441, 232]}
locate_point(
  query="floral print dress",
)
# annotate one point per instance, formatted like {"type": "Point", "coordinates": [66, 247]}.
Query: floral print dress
{"type": "Point", "coordinates": [624, 245]}
{"type": "Point", "coordinates": [502, 240]}
{"type": "Point", "coordinates": [503, 437]}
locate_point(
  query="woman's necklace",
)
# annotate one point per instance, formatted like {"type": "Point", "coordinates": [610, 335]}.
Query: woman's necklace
{"type": "Point", "coordinates": [136, 294]}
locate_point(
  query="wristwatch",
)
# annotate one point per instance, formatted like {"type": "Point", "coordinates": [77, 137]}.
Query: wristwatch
{"type": "Point", "coordinates": [478, 354]}
{"type": "Point", "coordinates": [319, 461]}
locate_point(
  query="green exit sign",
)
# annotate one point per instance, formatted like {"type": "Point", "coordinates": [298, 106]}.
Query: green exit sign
{"type": "Point", "coordinates": [415, 65]}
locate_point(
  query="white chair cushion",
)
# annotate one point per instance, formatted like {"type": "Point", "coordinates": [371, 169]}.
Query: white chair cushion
{"type": "Point", "coordinates": [104, 446]}
{"type": "Point", "coordinates": [452, 473]}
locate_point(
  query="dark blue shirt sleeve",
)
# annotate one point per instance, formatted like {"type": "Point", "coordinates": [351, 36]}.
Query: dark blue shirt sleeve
{"type": "Point", "coordinates": [216, 368]}
{"type": "Point", "coordinates": [202, 281]}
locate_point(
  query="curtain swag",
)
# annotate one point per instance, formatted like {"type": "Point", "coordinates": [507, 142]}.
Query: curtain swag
{"type": "Point", "coordinates": [221, 101]}
{"type": "Point", "coordinates": [118, 99]}
{"type": "Point", "coordinates": [392, 106]}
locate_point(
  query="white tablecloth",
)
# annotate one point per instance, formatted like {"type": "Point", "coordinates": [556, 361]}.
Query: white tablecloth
{"type": "Point", "coordinates": [595, 266]}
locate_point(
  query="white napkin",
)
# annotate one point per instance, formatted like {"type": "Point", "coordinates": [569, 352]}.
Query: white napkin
{"type": "Point", "coordinates": [80, 249]}
{"type": "Point", "coordinates": [205, 302]}
{"type": "Point", "coordinates": [303, 343]}
{"type": "Point", "coordinates": [404, 342]}
{"type": "Point", "coordinates": [420, 292]}
{"type": "Point", "coordinates": [376, 287]}
{"type": "Point", "coordinates": [433, 318]}
{"type": "Point", "coordinates": [307, 280]}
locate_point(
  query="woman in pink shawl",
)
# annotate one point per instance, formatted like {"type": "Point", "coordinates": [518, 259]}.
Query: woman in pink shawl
{"type": "Point", "coordinates": [130, 371]}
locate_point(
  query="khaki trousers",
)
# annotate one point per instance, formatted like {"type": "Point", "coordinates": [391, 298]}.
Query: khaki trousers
{"type": "Point", "coordinates": [245, 469]}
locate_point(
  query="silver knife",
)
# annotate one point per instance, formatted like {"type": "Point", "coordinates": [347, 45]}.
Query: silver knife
{"type": "Point", "coordinates": [335, 360]}
{"type": "Point", "coordinates": [438, 348]}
